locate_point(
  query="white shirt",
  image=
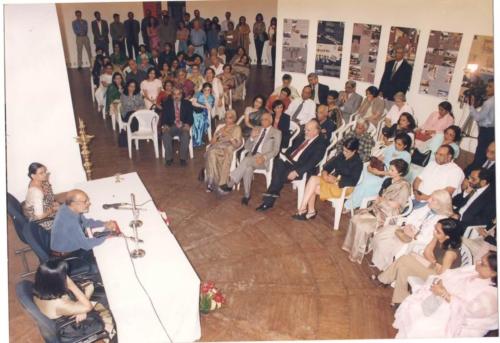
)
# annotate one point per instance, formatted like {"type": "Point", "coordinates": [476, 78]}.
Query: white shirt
{"type": "Point", "coordinates": [394, 113]}
{"type": "Point", "coordinates": [296, 157]}
{"type": "Point", "coordinates": [223, 25]}
{"type": "Point", "coordinates": [307, 112]}
{"type": "Point", "coordinates": [488, 164]}
{"type": "Point", "coordinates": [316, 91]}
{"type": "Point", "coordinates": [397, 65]}
{"type": "Point", "coordinates": [435, 176]}
{"type": "Point", "coordinates": [469, 202]}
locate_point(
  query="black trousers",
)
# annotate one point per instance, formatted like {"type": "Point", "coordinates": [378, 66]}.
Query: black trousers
{"type": "Point", "coordinates": [259, 46]}
{"type": "Point", "coordinates": [279, 178]}
{"type": "Point", "coordinates": [486, 136]}
{"type": "Point", "coordinates": [132, 47]}
{"type": "Point", "coordinates": [273, 58]}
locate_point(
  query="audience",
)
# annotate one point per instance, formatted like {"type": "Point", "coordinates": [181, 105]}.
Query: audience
{"type": "Point", "coordinates": [435, 123]}
{"type": "Point", "coordinates": [131, 100]}
{"type": "Point", "coordinates": [287, 83]}
{"type": "Point", "coordinates": [151, 88]}
{"type": "Point", "coordinates": [303, 109]}
{"type": "Point", "coordinates": [396, 78]}
{"type": "Point", "coordinates": [243, 33]}
{"type": "Point", "coordinates": [391, 200]}
{"type": "Point", "coordinates": [325, 122]}
{"type": "Point", "coordinates": [281, 121]}
{"type": "Point", "coordinates": [366, 141]}
{"type": "Point", "coordinates": [253, 115]}
{"type": "Point", "coordinates": [132, 29]}
{"type": "Point", "coordinates": [217, 92]}
{"type": "Point", "coordinates": [488, 162]}
{"type": "Point", "coordinates": [283, 96]}
{"type": "Point", "coordinates": [372, 106]}
{"type": "Point", "coordinates": [203, 103]}
{"type": "Point", "coordinates": [135, 73]}
{"type": "Point", "coordinates": [104, 82]}
{"type": "Point", "coordinates": [319, 90]}
{"type": "Point", "coordinates": [334, 112]}
{"type": "Point", "coordinates": [405, 124]}
{"type": "Point", "coordinates": [227, 138]}
{"type": "Point", "coordinates": [349, 101]}
{"type": "Point", "coordinates": [259, 36]}
{"type": "Point", "coordinates": [400, 106]}
{"type": "Point", "coordinates": [113, 94]}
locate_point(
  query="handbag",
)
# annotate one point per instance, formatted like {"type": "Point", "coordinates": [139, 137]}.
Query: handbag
{"type": "Point", "coordinates": [375, 163]}
{"type": "Point", "coordinates": [419, 158]}
{"type": "Point", "coordinates": [422, 136]}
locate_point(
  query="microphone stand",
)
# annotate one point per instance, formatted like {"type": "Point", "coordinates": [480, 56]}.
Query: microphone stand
{"type": "Point", "coordinates": [134, 224]}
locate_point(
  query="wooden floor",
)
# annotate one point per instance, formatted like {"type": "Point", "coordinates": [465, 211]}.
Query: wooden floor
{"type": "Point", "coordinates": [284, 280]}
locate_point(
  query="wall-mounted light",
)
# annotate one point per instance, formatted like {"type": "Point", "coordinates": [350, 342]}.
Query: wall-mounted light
{"type": "Point", "coordinates": [471, 68]}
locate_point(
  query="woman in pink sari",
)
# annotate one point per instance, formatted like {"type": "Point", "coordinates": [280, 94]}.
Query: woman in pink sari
{"type": "Point", "coordinates": [461, 302]}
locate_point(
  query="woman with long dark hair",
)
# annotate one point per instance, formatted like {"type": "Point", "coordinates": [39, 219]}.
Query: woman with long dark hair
{"type": "Point", "coordinates": [243, 33]}
{"type": "Point", "coordinates": [259, 36]}
{"type": "Point", "coordinates": [131, 100]}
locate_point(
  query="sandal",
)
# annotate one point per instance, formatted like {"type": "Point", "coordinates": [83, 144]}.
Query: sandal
{"type": "Point", "coordinates": [300, 216]}
{"type": "Point", "coordinates": [311, 215]}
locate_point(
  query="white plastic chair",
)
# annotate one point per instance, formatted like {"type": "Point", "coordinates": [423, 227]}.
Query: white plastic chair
{"type": "Point", "coordinates": [92, 88]}
{"type": "Point", "coordinates": [177, 138]}
{"type": "Point", "coordinates": [295, 130]}
{"type": "Point", "coordinates": [147, 130]}
{"type": "Point", "coordinates": [103, 111]}
{"type": "Point", "coordinates": [471, 232]}
{"type": "Point", "coordinates": [300, 186]}
{"type": "Point", "coordinates": [122, 125]}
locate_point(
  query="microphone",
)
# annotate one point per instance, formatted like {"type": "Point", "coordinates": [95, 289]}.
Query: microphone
{"type": "Point", "coordinates": [132, 198]}
{"type": "Point", "coordinates": [115, 205]}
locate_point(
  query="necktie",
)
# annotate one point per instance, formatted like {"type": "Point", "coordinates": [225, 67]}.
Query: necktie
{"type": "Point", "coordinates": [487, 164]}
{"type": "Point", "coordinates": [299, 149]}
{"type": "Point", "coordinates": [177, 115]}
{"type": "Point", "coordinates": [394, 69]}
{"type": "Point", "coordinates": [259, 142]}
{"type": "Point", "coordinates": [467, 198]}
{"type": "Point", "coordinates": [313, 92]}
{"type": "Point", "coordinates": [297, 111]}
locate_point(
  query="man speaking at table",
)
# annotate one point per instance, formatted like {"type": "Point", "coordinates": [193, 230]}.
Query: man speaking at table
{"type": "Point", "coordinates": [68, 237]}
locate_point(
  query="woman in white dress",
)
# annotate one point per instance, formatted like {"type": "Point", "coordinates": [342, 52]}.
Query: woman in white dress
{"type": "Point", "coordinates": [151, 88]}
{"type": "Point", "coordinates": [217, 92]}
{"type": "Point", "coordinates": [104, 81]}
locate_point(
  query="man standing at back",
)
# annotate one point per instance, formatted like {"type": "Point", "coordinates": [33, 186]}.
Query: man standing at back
{"type": "Point", "coordinates": [100, 30]}
{"type": "Point", "coordinates": [396, 77]}
{"type": "Point", "coordinates": [132, 29]}
{"type": "Point", "coordinates": [224, 25]}
{"type": "Point", "coordinates": [118, 32]}
{"type": "Point", "coordinates": [168, 30]}
{"type": "Point", "coordinates": [144, 28]}
{"type": "Point", "coordinates": [80, 28]}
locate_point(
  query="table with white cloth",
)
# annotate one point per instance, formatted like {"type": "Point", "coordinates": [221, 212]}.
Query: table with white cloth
{"type": "Point", "coordinates": [159, 300]}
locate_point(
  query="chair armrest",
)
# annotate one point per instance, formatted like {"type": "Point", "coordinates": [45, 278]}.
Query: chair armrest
{"type": "Point", "coordinates": [366, 201]}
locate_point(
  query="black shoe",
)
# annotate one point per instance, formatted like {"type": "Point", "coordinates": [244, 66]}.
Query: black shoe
{"type": "Point", "coordinates": [263, 207]}
{"type": "Point", "coordinates": [169, 162]}
{"type": "Point", "coordinates": [245, 200]}
{"type": "Point", "coordinates": [299, 216]}
{"type": "Point", "coordinates": [225, 188]}
{"type": "Point", "coordinates": [183, 163]}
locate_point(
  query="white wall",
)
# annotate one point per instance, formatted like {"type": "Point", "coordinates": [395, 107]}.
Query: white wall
{"type": "Point", "coordinates": [469, 17]}
{"type": "Point", "coordinates": [40, 125]}
{"type": "Point", "coordinates": [66, 14]}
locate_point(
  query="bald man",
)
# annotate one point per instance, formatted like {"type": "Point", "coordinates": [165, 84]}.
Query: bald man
{"type": "Point", "coordinates": [68, 232]}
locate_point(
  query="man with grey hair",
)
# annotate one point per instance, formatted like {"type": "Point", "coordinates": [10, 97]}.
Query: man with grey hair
{"type": "Point", "coordinates": [366, 142]}
{"type": "Point", "coordinates": [319, 90]}
{"type": "Point", "coordinates": [396, 77]}
{"type": "Point", "coordinates": [349, 101]}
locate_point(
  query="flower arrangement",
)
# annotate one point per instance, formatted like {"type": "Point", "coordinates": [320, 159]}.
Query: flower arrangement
{"type": "Point", "coordinates": [210, 297]}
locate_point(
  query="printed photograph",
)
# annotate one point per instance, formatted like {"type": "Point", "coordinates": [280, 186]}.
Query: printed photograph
{"type": "Point", "coordinates": [440, 59]}
{"type": "Point", "coordinates": [364, 51]}
{"type": "Point", "coordinates": [295, 34]}
{"type": "Point", "coordinates": [405, 37]}
{"type": "Point", "coordinates": [329, 48]}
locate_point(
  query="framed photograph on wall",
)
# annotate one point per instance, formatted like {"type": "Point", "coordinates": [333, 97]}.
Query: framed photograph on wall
{"type": "Point", "coordinates": [364, 52]}
{"type": "Point", "coordinates": [329, 48]}
{"type": "Point", "coordinates": [405, 37]}
{"type": "Point", "coordinates": [440, 60]}
{"type": "Point", "coordinates": [295, 35]}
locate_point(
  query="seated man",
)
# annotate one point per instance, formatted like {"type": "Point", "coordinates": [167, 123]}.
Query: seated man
{"type": "Point", "coordinates": [442, 173]}
{"type": "Point", "coordinates": [68, 231]}
{"type": "Point", "coordinates": [303, 109]}
{"type": "Point", "coordinates": [325, 122]}
{"type": "Point", "coordinates": [302, 157]}
{"type": "Point", "coordinates": [263, 145]}
{"type": "Point", "coordinates": [135, 73]}
{"type": "Point", "coordinates": [176, 120]}
{"type": "Point", "coordinates": [287, 82]}
{"type": "Point", "coordinates": [183, 83]}
{"type": "Point", "coordinates": [284, 96]}
{"type": "Point", "coordinates": [366, 142]}
{"type": "Point", "coordinates": [476, 204]}
{"type": "Point", "coordinates": [488, 163]}
{"type": "Point", "coordinates": [216, 65]}
{"type": "Point", "coordinates": [349, 101]}
{"type": "Point", "coordinates": [319, 90]}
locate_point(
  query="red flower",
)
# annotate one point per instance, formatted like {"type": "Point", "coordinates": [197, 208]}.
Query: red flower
{"type": "Point", "coordinates": [218, 297]}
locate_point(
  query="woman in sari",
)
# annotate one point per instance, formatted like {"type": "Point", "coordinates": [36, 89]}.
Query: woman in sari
{"type": "Point", "coordinates": [228, 81]}
{"type": "Point", "coordinates": [104, 82]}
{"type": "Point", "coordinates": [372, 106]}
{"type": "Point", "coordinates": [196, 77]}
{"type": "Point", "coordinates": [203, 103]}
{"type": "Point", "coordinates": [392, 198]}
{"type": "Point", "coordinates": [219, 154]}
{"type": "Point", "coordinates": [113, 94]}
{"type": "Point", "coordinates": [243, 33]}
{"type": "Point", "coordinates": [253, 114]}
{"type": "Point", "coordinates": [241, 70]}
{"type": "Point", "coordinates": [217, 92]}
{"type": "Point", "coordinates": [466, 301]}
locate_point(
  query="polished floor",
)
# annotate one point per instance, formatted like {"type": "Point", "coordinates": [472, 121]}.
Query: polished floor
{"type": "Point", "coordinates": [283, 280]}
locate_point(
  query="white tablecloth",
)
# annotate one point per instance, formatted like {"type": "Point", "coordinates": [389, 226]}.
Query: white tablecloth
{"type": "Point", "coordinates": [164, 271]}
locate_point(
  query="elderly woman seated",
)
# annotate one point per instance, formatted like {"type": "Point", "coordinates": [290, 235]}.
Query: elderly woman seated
{"type": "Point", "coordinates": [219, 153]}
{"type": "Point", "coordinates": [400, 106]}
{"type": "Point", "coordinates": [417, 230]}
{"type": "Point", "coordinates": [372, 106]}
{"type": "Point", "coordinates": [342, 170]}
{"type": "Point", "coordinates": [40, 204]}
{"type": "Point", "coordinates": [441, 254]}
{"type": "Point", "coordinates": [461, 302]}
{"type": "Point", "coordinates": [435, 123]}
{"type": "Point", "coordinates": [391, 200]}
{"type": "Point", "coordinates": [375, 172]}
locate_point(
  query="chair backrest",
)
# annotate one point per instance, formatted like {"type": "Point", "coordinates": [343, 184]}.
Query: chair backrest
{"type": "Point", "coordinates": [372, 130]}
{"type": "Point", "coordinates": [15, 211]}
{"type": "Point", "coordinates": [38, 239]}
{"type": "Point", "coordinates": [147, 119]}
{"type": "Point", "coordinates": [47, 327]}
{"type": "Point", "coordinates": [466, 255]}
{"type": "Point", "coordinates": [294, 130]}
{"type": "Point", "coordinates": [240, 120]}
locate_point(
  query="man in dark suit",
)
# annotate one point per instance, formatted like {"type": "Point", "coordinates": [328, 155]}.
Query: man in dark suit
{"type": "Point", "coordinates": [396, 77]}
{"type": "Point", "coordinates": [476, 204]}
{"type": "Point", "coordinates": [144, 28]}
{"type": "Point", "coordinates": [176, 120]}
{"type": "Point", "coordinates": [155, 60]}
{"type": "Point", "coordinates": [100, 30]}
{"type": "Point", "coordinates": [488, 163]}
{"type": "Point", "coordinates": [302, 157]}
{"type": "Point", "coordinates": [132, 29]}
{"type": "Point", "coordinates": [319, 90]}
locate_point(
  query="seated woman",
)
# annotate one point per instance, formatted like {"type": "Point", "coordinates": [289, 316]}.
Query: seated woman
{"type": "Point", "coordinates": [400, 106]}
{"type": "Point", "coordinates": [203, 103]}
{"type": "Point", "coordinates": [253, 114]}
{"type": "Point", "coordinates": [181, 59]}
{"type": "Point", "coordinates": [486, 240]}
{"type": "Point", "coordinates": [221, 53]}
{"type": "Point", "coordinates": [118, 59]}
{"type": "Point", "coordinates": [228, 81]}
{"type": "Point", "coordinates": [373, 177]}
{"type": "Point", "coordinates": [165, 73]}
{"type": "Point", "coordinates": [340, 171]}
{"type": "Point", "coordinates": [441, 254]}
{"type": "Point", "coordinates": [113, 94]}
{"type": "Point", "coordinates": [435, 123]}
{"type": "Point", "coordinates": [391, 200]}
{"type": "Point", "coordinates": [219, 154]}
{"type": "Point", "coordinates": [40, 204]}
{"type": "Point", "coordinates": [406, 123]}
{"type": "Point", "coordinates": [174, 67]}
{"type": "Point", "coordinates": [142, 50]}
{"type": "Point", "coordinates": [241, 70]}
{"type": "Point", "coordinates": [334, 112]}
{"type": "Point", "coordinates": [104, 82]}
{"type": "Point", "coordinates": [466, 301]}
{"type": "Point", "coordinates": [150, 88]}
{"type": "Point", "coordinates": [131, 100]}
{"type": "Point", "coordinates": [372, 106]}
{"type": "Point", "coordinates": [217, 92]}
{"type": "Point", "coordinates": [392, 240]}
{"type": "Point", "coordinates": [281, 121]}
{"type": "Point", "coordinates": [196, 77]}
{"type": "Point", "coordinates": [239, 53]}
{"type": "Point", "coordinates": [165, 93]}
{"type": "Point", "coordinates": [56, 296]}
